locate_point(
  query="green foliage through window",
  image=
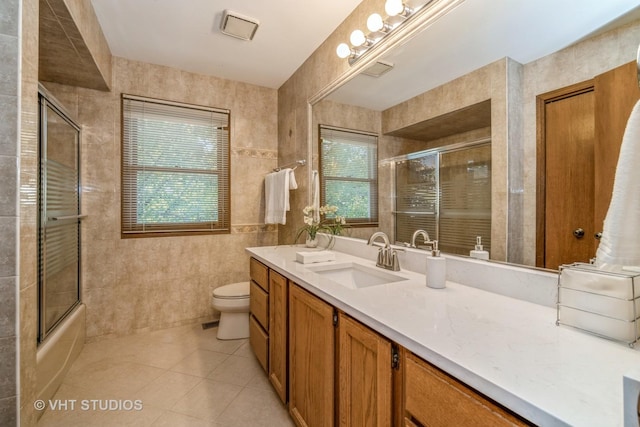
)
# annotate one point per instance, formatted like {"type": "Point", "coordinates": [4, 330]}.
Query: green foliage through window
{"type": "Point", "coordinates": [175, 168]}
{"type": "Point", "coordinates": [349, 173]}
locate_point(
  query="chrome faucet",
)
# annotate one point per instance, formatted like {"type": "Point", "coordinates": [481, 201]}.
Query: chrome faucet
{"type": "Point", "coordinates": [417, 233]}
{"type": "Point", "coordinates": [377, 234]}
{"type": "Point", "coordinates": [387, 256]}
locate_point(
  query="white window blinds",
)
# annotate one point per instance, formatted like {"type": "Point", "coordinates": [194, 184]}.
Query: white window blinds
{"type": "Point", "coordinates": [446, 193]}
{"type": "Point", "coordinates": [349, 174]}
{"type": "Point", "coordinates": [175, 168]}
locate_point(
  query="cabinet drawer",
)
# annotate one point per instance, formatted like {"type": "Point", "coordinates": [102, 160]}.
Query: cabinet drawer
{"type": "Point", "coordinates": [259, 341]}
{"type": "Point", "coordinates": [260, 305]}
{"type": "Point", "coordinates": [259, 273]}
{"type": "Point", "coordinates": [434, 399]}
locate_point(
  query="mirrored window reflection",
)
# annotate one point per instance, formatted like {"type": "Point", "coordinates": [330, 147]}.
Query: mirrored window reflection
{"type": "Point", "coordinates": [448, 194]}
{"type": "Point", "coordinates": [349, 174]}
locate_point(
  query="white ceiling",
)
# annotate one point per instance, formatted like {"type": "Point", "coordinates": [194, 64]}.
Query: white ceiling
{"type": "Point", "coordinates": [185, 34]}
{"type": "Point", "coordinates": [477, 33]}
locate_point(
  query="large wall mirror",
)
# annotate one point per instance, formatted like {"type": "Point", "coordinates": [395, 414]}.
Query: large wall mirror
{"type": "Point", "coordinates": [472, 81]}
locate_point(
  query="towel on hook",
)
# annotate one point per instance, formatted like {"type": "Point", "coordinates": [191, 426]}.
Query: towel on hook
{"type": "Point", "coordinates": [316, 196]}
{"type": "Point", "coordinates": [619, 246]}
{"type": "Point", "coordinates": [276, 195]}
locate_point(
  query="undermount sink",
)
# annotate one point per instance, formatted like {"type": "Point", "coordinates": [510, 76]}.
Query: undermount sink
{"type": "Point", "coordinates": [355, 276]}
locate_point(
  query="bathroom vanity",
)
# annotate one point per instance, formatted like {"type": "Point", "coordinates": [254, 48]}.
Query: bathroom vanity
{"type": "Point", "coordinates": [399, 353]}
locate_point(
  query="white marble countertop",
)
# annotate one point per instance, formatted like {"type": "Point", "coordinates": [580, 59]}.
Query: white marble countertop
{"type": "Point", "coordinates": [508, 349]}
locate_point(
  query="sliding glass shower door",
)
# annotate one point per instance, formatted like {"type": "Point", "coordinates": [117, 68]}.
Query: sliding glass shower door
{"type": "Point", "coordinates": [59, 214]}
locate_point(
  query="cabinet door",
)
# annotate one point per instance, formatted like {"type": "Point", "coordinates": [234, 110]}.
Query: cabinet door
{"type": "Point", "coordinates": [278, 333]}
{"type": "Point", "coordinates": [434, 399]}
{"type": "Point", "coordinates": [311, 359]}
{"type": "Point", "coordinates": [364, 372]}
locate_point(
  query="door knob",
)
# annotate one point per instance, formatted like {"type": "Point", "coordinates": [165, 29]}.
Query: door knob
{"type": "Point", "coordinates": [598, 236]}
{"type": "Point", "coordinates": [578, 233]}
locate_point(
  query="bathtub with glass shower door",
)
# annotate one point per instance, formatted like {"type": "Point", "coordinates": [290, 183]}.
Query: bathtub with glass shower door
{"type": "Point", "coordinates": [61, 318]}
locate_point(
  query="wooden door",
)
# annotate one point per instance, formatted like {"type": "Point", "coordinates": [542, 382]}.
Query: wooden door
{"type": "Point", "coordinates": [617, 92]}
{"type": "Point", "coordinates": [569, 134]}
{"type": "Point", "coordinates": [278, 305]}
{"type": "Point", "coordinates": [311, 359]}
{"type": "Point", "coordinates": [581, 130]}
{"type": "Point", "coordinates": [364, 373]}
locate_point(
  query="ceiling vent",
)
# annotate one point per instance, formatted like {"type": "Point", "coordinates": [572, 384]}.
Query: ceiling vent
{"type": "Point", "coordinates": [377, 69]}
{"type": "Point", "coordinates": [235, 25]}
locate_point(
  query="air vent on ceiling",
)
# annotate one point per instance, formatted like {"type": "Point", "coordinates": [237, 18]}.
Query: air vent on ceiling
{"type": "Point", "coordinates": [378, 68]}
{"type": "Point", "coordinates": [236, 25]}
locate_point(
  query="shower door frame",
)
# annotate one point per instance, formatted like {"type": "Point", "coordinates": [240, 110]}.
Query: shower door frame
{"type": "Point", "coordinates": [47, 100]}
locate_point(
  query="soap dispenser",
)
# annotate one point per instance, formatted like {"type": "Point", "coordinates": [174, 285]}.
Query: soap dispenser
{"type": "Point", "coordinates": [478, 252]}
{"type": "Point", "coordinates": [436, 268]}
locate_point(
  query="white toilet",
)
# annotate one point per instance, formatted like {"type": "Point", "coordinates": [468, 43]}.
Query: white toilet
{"type": "Point", "coordinates": [232, 301]}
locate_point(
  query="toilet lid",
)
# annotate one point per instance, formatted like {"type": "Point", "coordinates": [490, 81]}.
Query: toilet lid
{"type": "Point", "coordinates": [234, 290]}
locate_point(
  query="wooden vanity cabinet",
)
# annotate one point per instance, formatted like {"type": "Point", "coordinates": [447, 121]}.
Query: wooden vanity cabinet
{"type": "Point", "coordinates": [333, 370]}
{"type": "Point", "coordinates": [311, 359]}
{"type": "Point", "coordinates": [435, 399]}
{"type": "Point", "coordinates": [278, 333]}
{"type": "Point", "coordinates": [259, 308]}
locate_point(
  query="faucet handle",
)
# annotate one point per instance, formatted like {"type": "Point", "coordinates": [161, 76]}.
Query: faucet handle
{"type": "Point", "coordinates": [381, 257]}
{"type": "Point", "coordinates": [395, 264]}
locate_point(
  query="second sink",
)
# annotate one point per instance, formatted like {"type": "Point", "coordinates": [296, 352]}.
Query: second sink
{"type": "Point", "coordinates": [355, 276]}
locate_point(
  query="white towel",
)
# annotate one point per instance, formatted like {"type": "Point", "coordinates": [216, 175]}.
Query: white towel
{"type": "Point", "coordinates": [620, 242]}
{"type": "Point", "coordinates": [293, 184]}
{"type": "Point", "coordinates": [316, 196]}
{"type": "Point", "coordinates": [276, 196]}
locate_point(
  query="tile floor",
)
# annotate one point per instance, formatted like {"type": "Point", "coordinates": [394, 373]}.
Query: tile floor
{"type": "Point", "coordinates": [183, 376]}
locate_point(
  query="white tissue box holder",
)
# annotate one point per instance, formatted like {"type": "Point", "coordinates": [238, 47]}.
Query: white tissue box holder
{"type": "Point", "coordinates": [603, 303]}
{"type": "Point", "coordinates": [315, 256]}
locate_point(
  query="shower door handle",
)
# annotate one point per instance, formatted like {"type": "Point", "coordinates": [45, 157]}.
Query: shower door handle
{"type": "Point", "coordinates": [60, 218]}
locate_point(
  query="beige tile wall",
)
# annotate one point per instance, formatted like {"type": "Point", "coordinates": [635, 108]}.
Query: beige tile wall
{"type": "Point", "coordinates": [132, 285]}
{"type": "Point", "coordinates": [28, 211]}
{"type": "Point", "coordinates": [9, 213]}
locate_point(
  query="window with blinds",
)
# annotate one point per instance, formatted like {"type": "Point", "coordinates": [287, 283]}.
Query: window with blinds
{"type": "Point", "coordinates": [175, 168]}
{"type": "Point", "coordinates": [448, 194]}
{"type": "Point", "coordinates": [349, 174]}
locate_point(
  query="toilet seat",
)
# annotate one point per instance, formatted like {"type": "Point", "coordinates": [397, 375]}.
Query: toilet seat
{"type": "Point", "coordinates": [233, 291]}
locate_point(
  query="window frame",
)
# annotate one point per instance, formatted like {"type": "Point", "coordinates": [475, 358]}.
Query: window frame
{"type": "Point", "coordinates": [373, 183]}
{"type": "Point", "coordinates": [221, 226]}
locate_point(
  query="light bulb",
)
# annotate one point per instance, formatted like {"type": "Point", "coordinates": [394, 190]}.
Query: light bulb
{"type": "Point", "coordinates": [343, 50]}
{"type": "Point", "coordinates": [357, 38]}
{"type": "Point", "coordinates": [393, 7]}
{"type": "Point", "coordinates": [375, 23]}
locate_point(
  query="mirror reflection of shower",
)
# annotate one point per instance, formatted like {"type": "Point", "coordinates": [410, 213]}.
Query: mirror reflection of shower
{"type": "Point", "coordinates": [59, 214]}
{"type": "Point", "coordinates": [447, 192]}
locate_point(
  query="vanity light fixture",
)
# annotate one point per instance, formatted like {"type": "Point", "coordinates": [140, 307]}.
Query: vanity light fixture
{"type": "Point", "coordinates": [397, 13]}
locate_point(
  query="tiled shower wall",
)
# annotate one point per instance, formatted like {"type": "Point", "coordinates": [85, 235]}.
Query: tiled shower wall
{"type": "Point", "coordinates": [9, 127]}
